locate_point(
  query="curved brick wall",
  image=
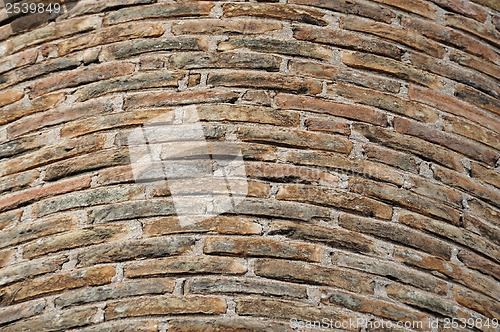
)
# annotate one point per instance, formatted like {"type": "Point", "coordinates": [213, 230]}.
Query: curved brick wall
{"type": "Point", "coordinates": [370, 136]}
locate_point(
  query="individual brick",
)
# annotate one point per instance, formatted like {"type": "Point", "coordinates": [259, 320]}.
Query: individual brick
{"type": "Point", "coordinates": [479, 263]}
{"type": "Point", "coordinates": [66, 320]}
{"type": "Point", "coordinates": [472, 280]}
{"type": "Point", "coordinates": [338, 199]}
{"type": "Point", "coordinates": [277, 11]}
{"type": "Point", "coordinates": [244, 113]}
{"type": "Point", "coordinates": [162, 10]}
{"type": "Point", "coordinates": [22, 145]}
{"type": "Point", "coordinates": [165, 305]}
{"type": "Point", "coordinates": [484, 211]}
{"type": "Point", "coordinates": [418, 7]}
{"type": "Point", "coordinates": [218, 26]}
{"type": "Point", "coordinates": [354, 112]}
{"type": "Point", "coordinates": [19, 272]}
{"type": "Point", "coordinates": [18, 60]}
{"type": "Point", "coordinates": [128, 326]}
{"type": "Point", "coordinates": [328, 126]}
{"type": "Point", "coordinates": [389, 66]}
{"type": "Point", "coordinates": [491, 35]}
{"type": "Point", "coordinates": [182, 265]}
{"type": "Point", "coordinates": [143, 80]}
{"type": "Point", "coordinates": [225, 324]}
{"type": "Point", "coordinates": [115, 291]}
{"type": "Point", "coordinates": [262, 247]}
{"type": "Point", "coordinates": [121, 251]}
{"type": "Point", "coordinates": [347, 39]}
{"type": "Point", "coordinates": [478, 226]}
{"type": "Point", "coordinates": [110, 35]}
{"type": "Point", "coordinates": [80, 76]}
{"type": "Point", "coordinates": [435, 190]}
{"type": "Point", "coordinates": [132, 210]}
{"type": "Point", "coordinates": [486, 174]}
{"type": "Point", "coordinates": [477, 302]}
{"type": "Point", "coordinates": [477, 98]}
{"type": "Point", "coordinates": [10, 96]}
{"type": "Point", "coordinates": [390, 157]}
{"type": "Point", "coordinates": [472, 150]}
{"type": "Point", "coordinates": [198, 60]}
{"type": "Point", "coordinates": [74, 239]}
{"type": "Point", "coordinates": [410, 38]}
{"type": "Point", "coordinates": [27, 196]}
{"type": "Point", "coordinates": [289, 173]}
{"type": "Point", "coordinates": [470, 130]}
{"type": "Point", "coordinates": [453, 106]}
{"type": "Point", "coordinates": [384, 101]}
{"type": "Point", "coordinates": [21, 311]}
{"type": "Point", "coordinates": [135, 47]}
{"type": "Point", "coordinates": [114, 121]}
{"type": "Point", "coordinates": [219, 224]}
{"type": "Point", "coordinates": [6, 256]}
{"type": "Point", "coordinates": [99, 7]}
{"type": "Point", "coordinates": [392, 270]}
{"type": "Point", "coordinates": [19, 110]}
{"type": "Point", "coordinates": [367, 80]}
{"type": "Point", "coordinates": [396, 233]}
{"type": "Point", "coordinates": [417, 146]}
{"type": "Point", "coordinates": [294, 138]}
{"type": "Point", "coordinates": [459, 235]}
{"type": "Point", "coordinates": [379, 308]}
{"type": "Point", "coordinates": [8, 218]}
{"type": "Point", "coordinates": [272, 45]}
{"type": "Point", "coordinates": [361, 8]}
{"type": "Point", "coordinates": [250, 286]}
{"type": "Point", "coordinates": [30, 289]}
{"type": "Point", "coordinates": [464, 7]}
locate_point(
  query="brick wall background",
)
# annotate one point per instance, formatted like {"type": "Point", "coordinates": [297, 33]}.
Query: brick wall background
{"type": "Point", "coordinates": [370, 132]}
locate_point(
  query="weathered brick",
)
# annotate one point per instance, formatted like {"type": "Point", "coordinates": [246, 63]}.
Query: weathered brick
{"type": "Point", "coordinates": [110, 35]}
{"type": "Point", "coordinates": [197, 60]}
{"type": "Point", "coordinates": [470, 149]}
{"type": "Point", "coordinates": [384, 101]}
{"type": "Point", "coordinates": [455, 72]}
{"type": "Point", "coordinates": [165, 305]}
{"type": "Point", "coordinates": [121, 251]}
{"type": "Point", "coordinates": [485, 229]}
{"type": "Point", "coordinates": [183, 265]}
{"type": "Point", "coordinates": [448, 36]}
{"type": "Point", "coordinates": [465, 183]}
{"type": "Point", "coordinates": [133, 210]}
{"type": "Point", "coordinates": [338, 199]}
{"type": "Point", "coordinates": [277, 11]}
{"type": "Point", "coordinates": [30, 289]}
{"type": "Point", "coordinates": [135, 47]}
{"type": "Point", "coordinates": [163, 10]}
{"type": "Point", "coordinates": [281, 209]}
{"type": "Point", "coordinates": [347, 39]}
{"type": "Point", "coordinates": [453, 106]}
{"type": "Point", "coordinates": [21, 311]}
{"type": "Point", "coordinates": [479, 263]}
{"type": "Point", "coordinates": [9, 218]}
{"type": "Point", "coordinates": [286, 47]}
{"type": "Point", "coordinates": [10, 96]}
{"type": "Point", "coordinates": [22, 145]}
{"type": "Point", "coordinates": [390, 66]}
{"type": "Point", "coordinates": [473, 27]}
{"type": "Point", "coordinates": [477, 98]}
{"type": "Point", "coordinates": [217, 26]}
{"type": "Point", "coordinates": [477, 302]}
{"type": "Point", "coordinates": [379, 308]}
{"type": "Point", "coordinates": [244, 113]}
{"type": "Point", "coordinates": [80, 76]}
{"type": "Point", "coordinates": [225, 325]}
{"type": "Point", "coordinates": [156, 79]}
{"type": "Point", "coordinates": [360, 113]}
{"type": "Point", "coordinates": [286, 310]}
{"type": "Point", "coordinates": [367, 80]}
{"type": "Point", "coordinates": [361, 8]}
{"type": "Point", "coordinates": [418, 7]}
{"type": "Point", "coordinates": [435, 190]}
{"type": "Point", "coordinates": [6, 256]}
{"type": "Point", "coordinates": [328, 126]}
{"type": "Point", "coordinates": [262, 247]}
{"type": "Point", "coordinates": [48, 33]}
{"type": "Point", "coordinates": [219, 224]}
{"type": "Point", "coordinates": [250, 286]}
{"type": "Point", "coordinates": [49, 322]}
{"type": "Point", "coordinates": [464, 7]}
{"type": "Point", "coordinates": [466, 277]}
{"type": "Point", "coordinates": [18, 60]}
{"type": "Point", "coordinates": [459, 235]}
{"type": "Point", "coordinates": [478, 64]}
{"type": "Point", "coordinates": [396, 233]}
{"type": "Point", "coordinates": [114, 291]}
{"type": "Point", "coordinates": [127, 326]}
{"type": "Point", "coordinates": [167, 98]}
{"type": "Point", "coordinates": [345, 165]}
{"type": "Point", "coordinates": [484, 211]}
{"type": "Point", "coordinates": [419, 147]}
{"type": "Point", "coordinates": [27, 270]}
{"type": "Point", "coordinates": [485, 174]}
{"type": "Point", "coordinates": [390, 157]}
{"type": "Point", "coordinates": [392, 270]}
{"type": "Point", "coordinates": [87, 198]}
{"type": "Point", "coordinates": [73, 239]}
{"type": "Point", "coordinates": [21, 198]}
{"type": "Point", "coordinates": [112, 121]}
{"type": "Point", "coordinates": [287, 173]}
{"type": "Point", "coordinates": [17, 181]}
{"type": "Point", "coordinates": [28, 107]}
{"type": "Point", "coordinates": [99, 7]}
{"type": "Point", "coordinates": [406, 37]}
{"type": "Point", "coordinates": [470, 130]}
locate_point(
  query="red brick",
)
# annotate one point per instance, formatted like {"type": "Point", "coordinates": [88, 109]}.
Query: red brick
{"type": "Point", "coordinates": [484, 211]}
{"type": "Point", "coordinates": [418, 7]}
{"type": "Point", "coordinates": [464, 7]}
{"type": "Point", "coordinates": [390, 157]}
{"type": "Point", "coordinates": [477, 98]}
{"type": "Point", "coordinates": [17, 60]}
{"type": "Point", "coordinates": [217, 26]}
{"type": "Point", "coordinates": [477, 302]}
{"type": "Point", "coordinates": [10, 96]}
{"type": "Point", "coordinates": [470, 130]}
{"type": "Point", "coordinates": [22, 109]}
{"type": "Point", "coordinates": [287, 173]}
{"type": "Point", "coordinates": [479, 263]}
{"type": "Point", "coordinates": [22, 271]}
{"type": "Point", "coordinates": [490, 35]}
{"type": "Point", "coordinates": [197, 60]}
{"type": "Point", "coordinates": [328, 126]}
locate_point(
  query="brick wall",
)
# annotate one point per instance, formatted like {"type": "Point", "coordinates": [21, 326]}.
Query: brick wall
{"type": "Point", "coordinates": [370, 137]}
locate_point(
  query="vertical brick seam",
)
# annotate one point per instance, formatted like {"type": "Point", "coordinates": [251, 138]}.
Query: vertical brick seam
{"type": "Point", "coordinates": [370, 134]}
